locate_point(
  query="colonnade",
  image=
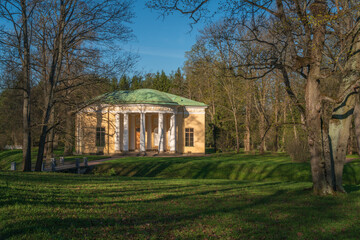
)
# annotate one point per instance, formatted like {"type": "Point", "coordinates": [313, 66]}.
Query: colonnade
{"type": "Point", "coordinates": [145, 141]}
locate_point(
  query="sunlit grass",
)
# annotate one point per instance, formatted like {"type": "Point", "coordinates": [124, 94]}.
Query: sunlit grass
{"type": "Point", "coordinates": [270, 167]}
{"type": "Point", "coordinates": [65, 206]}
{"type": "Point", "coordinates": [8, 156]}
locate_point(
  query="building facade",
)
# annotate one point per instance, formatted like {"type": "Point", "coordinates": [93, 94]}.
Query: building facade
{"type": "Point", "coordinates": [141, 120]}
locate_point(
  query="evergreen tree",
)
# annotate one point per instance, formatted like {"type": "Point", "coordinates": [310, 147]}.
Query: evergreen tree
{"type": "Point", "coordinates": [124, 83]}
{"type": "Point", "coordinates": [162, 82]}
{"type": "Point", "coordinates": [136, 82]}
{"type": "Point", "coordinates": [149, 80]}
{"type": "Point", "coordinates": [178, 84]}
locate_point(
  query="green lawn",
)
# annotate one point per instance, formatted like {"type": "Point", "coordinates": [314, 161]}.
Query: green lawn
{"type": "Point", "coordinates": [66, 206]}
{"type": "Point", "coordinates": [8, 156]}
{"type": "Point", "coordinates": [270, 167]}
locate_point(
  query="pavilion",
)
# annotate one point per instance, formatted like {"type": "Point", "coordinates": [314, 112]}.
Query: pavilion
{"type": "Point", "coordinates": [141, 120]}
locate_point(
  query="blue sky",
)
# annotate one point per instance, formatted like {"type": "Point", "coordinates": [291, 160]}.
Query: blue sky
{"type": "Point", "coordinates": [161, 44]}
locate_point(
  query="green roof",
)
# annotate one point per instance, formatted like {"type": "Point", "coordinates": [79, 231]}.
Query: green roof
{"type": "Point", "coordinates": [146, 96]}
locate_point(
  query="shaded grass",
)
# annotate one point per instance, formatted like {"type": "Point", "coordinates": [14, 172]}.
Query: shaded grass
{"type": "Point", "coordinates": [8, 156]}
{"type": "Point", "coordinates": [272, 167]}
{"type": "Point", "coordinates": [64, 206]}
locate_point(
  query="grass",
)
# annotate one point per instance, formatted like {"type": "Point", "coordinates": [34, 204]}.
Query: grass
{"type": "Point", "coordinates": [65, 206]}
{"type": "Point", "coordinates": [270, 167]}
{"type": "Point", "coordinates": [8, 156]}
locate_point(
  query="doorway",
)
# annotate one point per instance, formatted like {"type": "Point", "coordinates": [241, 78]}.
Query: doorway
{"type": "Point", "coordinates": [137, 139]}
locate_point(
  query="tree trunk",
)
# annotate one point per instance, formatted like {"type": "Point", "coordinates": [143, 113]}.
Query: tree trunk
{"type": "Point", "coordinates": [52, 80]}
{"type": "Point", "coordinates": [317, 138]}
{"type": "Point", "coordinates": [262, 134]}
{"type": "Point", "coordinates": [50, 137]}
{"type": "Point", "coordinates": [357, 124]}
{"type": "Point", "coordinates": [236, 132]}
{"type": "Point", "coordinates": [26, 95]}
{"type": "Point", "coordinates": [247, 136]}
{"type": "Point", "coordinates": [69, 135]}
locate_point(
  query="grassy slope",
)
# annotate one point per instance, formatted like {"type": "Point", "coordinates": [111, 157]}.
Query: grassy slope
{"type": "Point", "coordinates": [65, 206]}
{"type": "Point", "coordinates": [277, 167]}
{"type": "Point", "coordinates": [8, 156]}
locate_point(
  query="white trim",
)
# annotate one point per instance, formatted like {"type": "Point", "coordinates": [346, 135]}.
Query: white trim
{"type": "Point", "coordinates": [181, 113]}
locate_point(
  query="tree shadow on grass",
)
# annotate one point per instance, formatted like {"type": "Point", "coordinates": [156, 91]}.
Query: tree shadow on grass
{"type": "Point", "coordinates": [281, 215]}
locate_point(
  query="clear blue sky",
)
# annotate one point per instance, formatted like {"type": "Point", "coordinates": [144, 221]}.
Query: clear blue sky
{"type": "Point", "coordinates": [161, 44]}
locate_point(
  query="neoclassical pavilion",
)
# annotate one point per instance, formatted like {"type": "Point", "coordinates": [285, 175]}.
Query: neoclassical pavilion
{"type": "Point", "coordinates": [141, 120]}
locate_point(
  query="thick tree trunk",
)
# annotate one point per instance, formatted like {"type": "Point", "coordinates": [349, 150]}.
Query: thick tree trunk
{"type": "Point", "coordinates": [338, 136]}
{"type": "Point", "coordinates": [318, 140]}
{"type": "Point", "coordinates": [357, 124]}
{"type": "Point", "coordinates": [341, 119]}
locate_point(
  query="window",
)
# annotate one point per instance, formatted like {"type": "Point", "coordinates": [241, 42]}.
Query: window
{"type": "Point", "coordinates": [189, 137]}
{"type": "Point", "coordinates": [100, 137]}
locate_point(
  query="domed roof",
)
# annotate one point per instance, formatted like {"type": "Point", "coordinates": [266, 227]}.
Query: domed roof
{"type": "Point", "coordinates": [146, 96]}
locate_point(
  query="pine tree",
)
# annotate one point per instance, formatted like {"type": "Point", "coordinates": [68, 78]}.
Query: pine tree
{"type": "Point", "coordinates": [162, 82]}
{"type": "Point", "coordinates": [136, 82]}
{"type": "Point", "coordinates": [124, 83]}
{"type": "Point", "coordinates": [177, 83]}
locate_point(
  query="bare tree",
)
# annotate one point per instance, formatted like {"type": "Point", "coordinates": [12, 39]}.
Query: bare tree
{"type": "Point", "coordinates": [70, 28]}
{"type": "Point", "coordinates": [317, 40]}
{"type": "Point", "coordinates": [15, 36]}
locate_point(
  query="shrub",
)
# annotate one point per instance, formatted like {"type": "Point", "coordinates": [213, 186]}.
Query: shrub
{"type": "Point", "coordinates": [298, 149]}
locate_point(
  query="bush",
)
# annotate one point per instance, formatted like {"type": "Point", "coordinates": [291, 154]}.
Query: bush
{"type": "Point", "coordinates": [298, 149]}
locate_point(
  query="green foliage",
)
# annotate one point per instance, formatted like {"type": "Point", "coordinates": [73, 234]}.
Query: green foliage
{"type": "Point", "coordinates": [124, 83]}
{"type": "Point", "coordinates": [178, 83]}
{"type": "Point", "coordinates": [68, 206]}
{"type": "Point", "coordinates": [136, 82]}
{"type": "Point", "coordinates": [10, 127]}
{"type": "Point", "coordinates": [161, 82]}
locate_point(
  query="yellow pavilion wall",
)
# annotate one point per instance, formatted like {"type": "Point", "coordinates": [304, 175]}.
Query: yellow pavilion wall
{"type": "Point", "coordinates": [89, 121]}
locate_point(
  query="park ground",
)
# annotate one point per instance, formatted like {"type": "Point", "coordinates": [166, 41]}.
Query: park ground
{"type": "Point", "coordinates": [220, 196]}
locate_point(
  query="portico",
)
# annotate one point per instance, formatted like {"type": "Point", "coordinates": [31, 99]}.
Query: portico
{"type": "Point", "coordinates": [145, 131]}
{"type": "Point", "coordinates": [141, 120]}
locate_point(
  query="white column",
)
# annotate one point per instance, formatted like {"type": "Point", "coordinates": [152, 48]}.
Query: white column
{"type": "Point", "coordinates": [173, 133]}
{"type": "Point", "coordinates": [126, 133]}
{"type": "Point", "coordinates": [117, 132]}
{"type": "Point", "coordinates": [132, 132]}
{"type": "Point", "coordinates": [161, 132]}
{"type": "Point", "coordinates": [148, 132]}
{"type": "Point", "coordinates": [142, 132]}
